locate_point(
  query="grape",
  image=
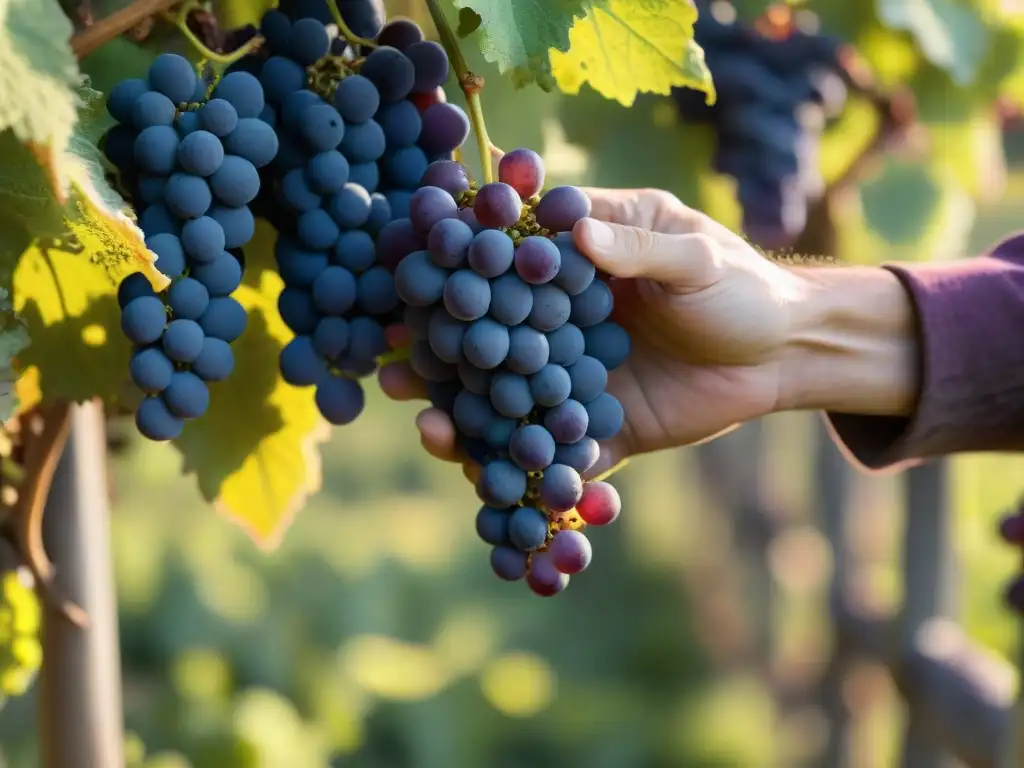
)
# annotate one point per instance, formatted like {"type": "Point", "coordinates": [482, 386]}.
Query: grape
{"type": "Point", "coordinates": [186, 123]}
{"type": "Point", "coordinates": [499, 432]}
{"type": "Point", "coordinates": [508, 564]}
{"type": "Point", "coordinates": [155, 422]}
{"type": "Point", "coordinates": [299, 268]}
{"type": "Point", "coordinates": [608, 343]}
{"type": "Point", "coordinates": [528, 528]}
{"type": "Point", "coordinates": [236, 182]}
{"type": "Point", "coordinates": [560, 488]}
{"type": "Point", "coordinates": [275, 27]}
{"type": "Point", "coordinates": [349, 207]}
{"type": "Point", "coordinates": [143, 319]}
{"type": "Point", "coordinates": [430, 63]}
{"type": "Point", "coordinates": [300, 365]}
{"type": "Point", "coordinates": [221, 276]}
{"type": "Point", "coordinates": [418, 281]}
{"type": "Point", "coordinates": [356, 99]}
{"type": "Point", "coordinates": [1011, 528]}
{"type": "Point", "coordinates": [173, 76]}
{"type": "Point", "coordinates": [605, 417]}
{"type": "Point", "coordinates": [511, 299]}
{"type": "Point", "coordinates": [122, 98]}
{"type": "Point", "coordinates": [448, 175]}
{"type": "Point", "coordinates": [150, 370]}
{"type": "Point", "coordinates": [568, 421]}
{"type": "Point", "coordinates": [158, 220]}
{"type": "Point", "coordinates": [224, 319]}
{"type": "Point", "coordinates": [592, 306]}
{"type": "Point", "coordinates": [294, 107]}
{"type": "Point", "coordinates": [448, 243]}
{"type": "Point", "coordinates": [543, 578]}
{"type": "Point", "coordinates": [367, 339]}
{"type": "Point", "coordinates": [334, 291]}
{"type": "Point", "coordinates": [326, 172]}
{"type": "Point", "coordinates": [550, 386]}
{"type": "Point", "coordinates": [279, 77]}
{"type": "Point", "coordinates": [566, 344]}
{"type": "Point", "coordinates": [331, 336]}
{"type": "Point", "coordinates": [497, 205]}
{"type": "Point", "coordinates": [188, 299]}
{"type": "Point", "coordinates": [528, 350]}
{"type": "Point", "coordinates": [510, 395]}
{"type": "Point", "coordinates": [215, 361]}
{"type": "Point", "coordinates": [187, 397]}
{"type": "Point", "coordinates": [589, 378]}
{"type": "Point", "coordinates": [238, 224]}
{"type": "Point", "coordinates": [467, 296]}
{"type": "Point", "coordinates": [600, 504]}
{"type": "Point", "coordinates": [537, 260]}
{"type": "Point", "coordinates": [501, 483]}
{"type": "Point", "coordinates": [551, 308]}
{"type": "Point", "coordinates": [576, 272]}
{"type": "Point", "coordinates": [202, 239]}
{"type": "Point", "coordinates": [254, 140]}
{"type": "Point", "coordinates": [561, 208]}
{"type": "Point", "coordinates": [322, 127]}
{"type": "Point", "coordinates": [364, 143]}
{"type": "Point", "coordinates": [380, 212]}
{"type": "Point", "coordinates": [389, 70]}
{"type": "Point", "coordinates": [375, 290]}
{"type": "Point", "coordinates": [581, 455]}
{"type": "Point", "coordinates": [297, 310]}
{"type": "Point", "coordinates": [317, 229]}
{"type": "Point", "coordinates": [523, 170]}
{"type": "Point", "coordinates": [170, 256]}
{"type": "Point", "coordinates": [156, 149]}
{"type": "Point", "coordinates": [399, 200]}
{"type": "Point", "coordinates": [491, 254]}
{"type": "Point", "coordinates": [401, 123]}
{"type": "Point", "coordinates": [187, 196]}
{"type": "Point", "coordinates": [218, 117]}
{"type": "Point", "coordinates": [486, 343]}
{"type": "Point", "coordinates": [405, 167]}
{"type": "Point", "coordinates": [476, 380]}
{"type": "Point", "coordinates": [354, 250]}
{"type": "Point", "coordinates": [340, 400]}
{"type": "Point", "coordinates": [472, 413]}
{"type": "Point", "coordinates": [152, 109]}
{"type": "Point", "coordinates": [571, 551]}
{"type": "Point", "coordinates": [245, 93]}
{"type": "Point", "coordinates": [492, 525]}
{"type": "Point", "coordinates": [400, 34]}
{"type": "Point", "coordinates": [200, 153]}
{"type": "Point", "coordinates": [532, 448]}
{"type": "Point", "coordinates": [133, 286]}
{"type": "Point", "coordinates": [445, 127]}
{"type": "Point", "coordinates": [445, 335]}
{"type": "Point", "coordinates": [365, 175]}
{"type": "Point", "coordinates": [308, 41]}
{"type": "Point", "coordinates": [297, 193]}
{"type": "Point", "coordinates": [429, 366]}
{"type": "Point", "coordinates": [183, 340]}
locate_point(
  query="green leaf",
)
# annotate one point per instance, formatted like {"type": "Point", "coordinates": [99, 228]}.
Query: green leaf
{"type": "Point", "coordinates": [469, 22]}
{"type": "Point", "coordinates": [13, 339]}
{"type": "Point", "coordinates": [634, 46]}
{"type": "Point", "coordinates": [517, 34]}
{"type": "Point", "coordinates": [254, 451]}
{"type": "Point", "coordinates": [952, 34]}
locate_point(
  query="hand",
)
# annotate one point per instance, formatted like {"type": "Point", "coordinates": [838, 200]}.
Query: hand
{"type": "Point", "coordinates": [709, 319]}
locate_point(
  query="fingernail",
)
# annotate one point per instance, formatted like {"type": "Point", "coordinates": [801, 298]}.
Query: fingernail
{"type": "Point", "coordinates": [601, 235]}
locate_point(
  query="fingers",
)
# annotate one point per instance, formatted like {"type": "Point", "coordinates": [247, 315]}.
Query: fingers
{"type": "Point", "coordinates": [400, 382]}
{"type": "Point", "coordinates": [685, 262]}
{"type": "Point", "coordinates": [437, 435]}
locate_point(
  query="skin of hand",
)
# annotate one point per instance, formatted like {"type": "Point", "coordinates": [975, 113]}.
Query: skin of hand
{"type": "Point", "coordinates": [720, 335]}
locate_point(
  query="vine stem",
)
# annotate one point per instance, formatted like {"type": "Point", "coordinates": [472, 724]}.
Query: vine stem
{"type": "Point", "coordinates": [219, 60]}
{"type": "Point", "coordinates": [471, 85]}
{"type": "Point", "coordinates": [344, 29]}
{"type": "Point", "coordinates": [116, 24]}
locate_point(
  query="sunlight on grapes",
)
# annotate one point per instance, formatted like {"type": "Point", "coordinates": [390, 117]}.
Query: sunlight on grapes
{"type": "Point", "coordinates": [201, 674]}
{"type": "Point", "coordinates": [518, 684]}
{"type": "Point", "coordinates": [392, 668]}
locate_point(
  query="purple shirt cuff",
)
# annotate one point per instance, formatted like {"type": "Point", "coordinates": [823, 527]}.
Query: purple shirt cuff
{"type": "Point", "coordinates": [971, 317]}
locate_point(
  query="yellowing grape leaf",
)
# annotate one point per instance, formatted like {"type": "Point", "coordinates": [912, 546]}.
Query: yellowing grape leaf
{"type": "Point", "coordinates": [517, 34]}
{"type": "Point", "coordinates": [628, 47]}
{"type": "Point", "coordinates": [255, 450]}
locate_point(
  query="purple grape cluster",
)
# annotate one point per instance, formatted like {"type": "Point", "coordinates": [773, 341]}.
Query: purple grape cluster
{"type": "Point", "coordinates": [190, 165]}
{"type": "Point", "coordinates": [1011, 530]}
{"type": "Point", "coordinates": [511, 330]}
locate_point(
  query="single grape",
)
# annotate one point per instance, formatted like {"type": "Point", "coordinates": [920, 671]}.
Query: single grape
{"type": "Point", "coordinates": [511, 299]}
{"type": "Point", "coordinates": [566, 344]}
{"type": "Point", "coordinates": [356, 99]}
{"type": "Point", "coordinates": [279, 77]}
{"type": "Point", "coordinates": [220, 277]}
{"type": "Point", "coordinates": [528, 350]}
{"type": "Point", "coordinates": [158, 220]}
{"type": "Point", "coordinates": [143, 319]}
{"type": "Point", "coordinates": [170, 256]}
{"type": "Point", "coordinates": [152, 109]}
{"type": "Point", "coordinates": [600, 503]}
{"type": "Point", "coordinates": [236, 182]}
{"type": "Point", "coordinates": [551, 307]}
{"type": "Point", "coordinates": [331, 336]}
{"type": "Point", "coordinates": [448, 175]}
{"type": "Point", "coordinates": [418, 281]}
{"type": "Point", "coordinates": [499, 433]}
{"type": "Point", "coordinates": [334, 291]}
{"type": "Point", "coordinates": [589, 378]}
{"type": "Point", "coordinates": [375, 291]}
{"type": "Point", "coordinates": [254, 140]}
{"type": "Point", "coordinates": [297, 193]}
{"type": "Point", "coordinates": [508, 564]}
{"type": "Point", "coordinates": [150, 370]}
{"type": "Point", "coordinates": [430, 63]}
{"type": "Point", "coordinates": [365, 143]}
{"type": "Point", "coordinates": [404, 168]}
{"type": "Point", "coordinates": [317, 229]}
{"type": "Point", "coordinates": [486, 343]}
{"type": "Point", "coordinates": [151, 188]}
{"type": "Point", "coordinates": [537, 260]}
{"type": "Point", "coordinates": [429, 366]}
{"type": "Point", "coordinates": [581, 455]}
{"type": "Point", "coordinates": [609, 343]}
{"type": "Point", "coordinates": [592, 306]}
{"type": "Point", "coordinates": [571, 551]}
{"type": "Point", "coordinates": [367, 176]}
{"type": "Point", "coordinates": [428, 206]}
{"type": "Point", "coordinates": [491, 253]}
{"type": "Point", "coordinates": [134, 285]}
{"type": "Point", "coordinates": [523, 170]}
{"type": "Point", "coordinates": [188, 299]}
{"type": "Point", "coordinates": [528, 529]}
{"type": "Point", "coordinates": [122, 97]}
{"type": "Point", "coordinates": [307, 41]}
{"type": "Point", "coordinates": [380, 212]}
{"type": "Point", "coordinates": [568, 421]}
{"type": "Point", "coordinates": [340, 400]}
{"type": "Point", "coordinates": [561, 208]}
{"type": "Point", "coordinates": [401, 123]}
{"type": "Point", "coordinates": [218, 117]}
{"type": "Point", "coordinates": [576, 272]}
{"type": "Point", "coordinates": [155, 422]}
{"type": "Point", "coordinates": [202, 239]}
{"type": "Point", "coordinates": [349, 207]}
{"type": "Point", "coordinates": [445, 127]}
{"type": "Point", "coordinates": [492, 525]}
{"type": "Point", "coordinates": [397, 239]}
{"type": "Point", "coordinates": [501, 483]}
{"type": "Point", "coordinates": [297, 310]}
{"type": "Point", "coordinates": [497, 205]}
{"type": "Point", "coordinates": [448, 243]}
{"type": "Point", "coordinates": [215, 361]}
{"type": "Point", "coordinates": [187, 397]}
{"type": "Point", "coordinates": [200, 153]}
{"type": "Point", "coordinates": [224, 319]}
{"type": "Point", "coordinates": [467, 295]}
{"type": "Point", "coordinates": [354, 250]}
{"type": "Point", "coordinates": [511, 397]}
{"type": "Point", "coordinates": [156, 150]}
{"type": "Point", "coordinates": [389, 70]}
{"type": "Point", "coordinates": [245, 93]}
{"type": "Point", "coordinates": [183, 340]}
{"type": "Point", "coordinates": [322, 127]}
{"type": "Point", "coordinates": [326, 172]}
{"type": "Point", "coordinates": [472, 413]}
{"type": "Point", "coordinates": [300, 365]}
{"type": "Point", "coordinates": [187, 196]}
{"type": "Point", "coordinates": [550, 386]}
{"type": "Point", "coordinates": [543, 578]}
{"type": "Point", "coordinates": [532, 448]}
{"type": "Point", "coordinates": [604, 417]}
{"type": "Point", "coordinates": [238, 224]}
{"type": "Point", "coordinates": [476, 380]}
{"type": "Point", "coordinates": [446, 334]}
{"type": "Point", "coordinates": [366, 339]}
{"type": "Point", "coordinates": [560, 488]}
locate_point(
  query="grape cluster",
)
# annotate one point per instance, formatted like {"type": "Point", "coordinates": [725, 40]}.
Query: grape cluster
{"type": "Point", "coordinates": [21, 653]}
{"type": "Point", "coordinates": [778, 82]}
{"type": "Point", "coordinates": [351, 150]}
{"type": "Point", "coordinates": [190, 164]}
{"type": "Point", "coordinates": [511, 331]}
{"type": "Point", "coordinates": [1011, 530]}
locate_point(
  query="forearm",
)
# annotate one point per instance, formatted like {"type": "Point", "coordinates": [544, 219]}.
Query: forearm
{"type": "Point", "coordinates": [855, 345]}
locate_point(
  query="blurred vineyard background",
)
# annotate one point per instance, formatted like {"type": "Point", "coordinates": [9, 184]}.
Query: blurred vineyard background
{"type": "Point", "coordinates": [376, 636]}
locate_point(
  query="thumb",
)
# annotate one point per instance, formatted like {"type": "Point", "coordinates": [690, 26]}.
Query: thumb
{"type": "Point", "coordinates": [681, 261]}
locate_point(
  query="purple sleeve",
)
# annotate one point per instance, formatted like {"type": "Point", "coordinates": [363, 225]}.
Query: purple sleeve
{"type": "Point", "coordinates": [971, 317]}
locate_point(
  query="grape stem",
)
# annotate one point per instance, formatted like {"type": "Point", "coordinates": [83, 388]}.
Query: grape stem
{"type": "Point", "coordinates": [471, 85]}
{"type": "Point", "coordinates": [345, 31]}
{"type": "Point", "coordinates": [609, 472]}
{"type": "Point", "coordinates": [220, 61]}
{"type": "Point", "coordinates": [116, 24]}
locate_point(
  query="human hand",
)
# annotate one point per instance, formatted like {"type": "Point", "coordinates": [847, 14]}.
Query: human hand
{"type": "Point", "coordinates": [709, 319]}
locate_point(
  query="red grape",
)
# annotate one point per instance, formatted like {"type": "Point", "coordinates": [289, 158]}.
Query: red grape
{"type": "Point", "coordinates": [600, 504]}
{"type": "Point", "coordinates": [543, 578]}
{"type": "Point", "coordinates": [1011, 528]}
{"type": "Point", "coordinates": [570, 551]}
{"type": "Point", "coordinates": [561, 208]}
{"type": "Point", "coordinates": [537, 260]}
{"type": "Point", "coordinates": [523, 170]}
{"type": "Point", "coordinates": [497, 205]}
{"type": "Point", "coordinates": [423, 101]}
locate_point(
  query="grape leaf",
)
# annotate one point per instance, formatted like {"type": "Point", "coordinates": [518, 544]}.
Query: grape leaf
{"type": "Point", "coordinates": [634, 46]}
{"type": "Point", "coordinates": [952, 34]}
{"type": "Point", "coordinates": [13, 339]}
{"type": "Point", "coordinates": [254, 451]}
{"type": "Point", "coordinates": [517, 34]}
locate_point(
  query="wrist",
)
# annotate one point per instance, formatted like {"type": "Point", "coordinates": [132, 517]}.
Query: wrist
{"type": "Point", "coordinates": [854, 344]}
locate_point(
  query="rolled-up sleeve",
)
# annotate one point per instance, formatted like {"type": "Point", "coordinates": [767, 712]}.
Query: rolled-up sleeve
{"type": "Point", "coordinates": [971, 318]}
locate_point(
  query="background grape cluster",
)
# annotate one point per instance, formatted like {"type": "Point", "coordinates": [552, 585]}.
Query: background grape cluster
{"type": "Point", "coordinates": [511, 329]}
{"type": "Point", "coordinates": [190, 165]}
{"type": "Point", "coordinates": [777, 87]}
